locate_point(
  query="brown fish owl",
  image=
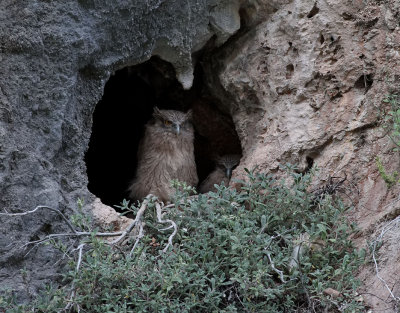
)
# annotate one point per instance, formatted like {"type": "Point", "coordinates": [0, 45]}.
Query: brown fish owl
{"type": "Point", "coordinates": [222, 172]}
{"type": "Point", "coordinates": [166, 152]}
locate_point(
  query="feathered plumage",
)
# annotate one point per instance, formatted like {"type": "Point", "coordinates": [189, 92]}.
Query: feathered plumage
{"type": "Point", "coordinates": [222, 172]}
{"type": "Point", "coordinates": [165, 153]}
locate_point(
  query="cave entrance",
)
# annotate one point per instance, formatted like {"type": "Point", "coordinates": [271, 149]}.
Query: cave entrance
{"type": "Point", "coordinates": [127, 105]}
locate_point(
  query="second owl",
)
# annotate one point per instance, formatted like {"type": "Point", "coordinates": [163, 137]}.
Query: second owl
{"type": "Point", "coordinates": [166, 152]}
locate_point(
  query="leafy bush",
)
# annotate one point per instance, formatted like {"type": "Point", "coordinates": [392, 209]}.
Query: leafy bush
{"type": "Point", "coordinates": [392, 119]}
{"type": "Point", "coordinates": [390, 179]}
{"type": "Point", "coordinates": [231, 254]}
{"type": "Point", "coordinates": [391, 123]}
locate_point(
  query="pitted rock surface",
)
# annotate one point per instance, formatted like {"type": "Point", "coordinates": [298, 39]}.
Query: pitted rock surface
{"type": "Point", "coordinates": [304, 82]}
{"type": "Point", "coordinates": [55, 57]}
{"type": "Point", "coordinates": [305, 85]}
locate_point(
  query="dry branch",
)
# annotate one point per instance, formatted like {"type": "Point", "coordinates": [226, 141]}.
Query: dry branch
{"type": "Point", "coordinates": [137, 219]}
{"type": "Point", "coordinates": [121, 234]}
{"type": "Point", "coordinates": [139, 236]}
{"type": "Point", "coordinates": [333, 185]}
{"type": "Point", "coordinates": [279, 272]}
{"type": "Point", "coordinates": [376, 242]}
{"type": "Point", "coordinates": [172, 225]}
{"type": "Point", "coordinates": [137, 222]}
{"type": "Point", "coordinates": [39, 207]}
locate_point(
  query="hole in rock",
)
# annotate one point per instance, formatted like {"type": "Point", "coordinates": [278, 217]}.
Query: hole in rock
{"type": "Point", "coordinates": [321, 39]}
{"type": "Point", "coordinates": [314, 11]}
{"type": "Point", "coordinates": [289, 70]}
{"type": "Point", "coordinates": [364, 82]}
{"type": "Point", "coordinates": [347, 16]}
{"type": "Point", "coordinates": [308, 166]}
{"type": "Point", "coordinates": [310, 163]}
{"type": "Point", "coordinates": [46, 228]}
{"type": "Point", "coordinates": [245, 17]}
{"type": "Point", "coordinates": [127, 105]}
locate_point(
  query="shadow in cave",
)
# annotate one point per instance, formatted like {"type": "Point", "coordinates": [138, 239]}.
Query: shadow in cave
{"type": "Point", "coordinates": [127, 105]}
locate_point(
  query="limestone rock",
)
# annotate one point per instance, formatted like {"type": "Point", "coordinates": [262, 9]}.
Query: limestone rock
{"type": "Point", "coordinates": [306, 85]}
{"type": "Point", "coordinates": [303, 81]}
{"type": "Point", "coordinates": [55, 57]}
{"type": "Point", "coordinates": [107, 218]}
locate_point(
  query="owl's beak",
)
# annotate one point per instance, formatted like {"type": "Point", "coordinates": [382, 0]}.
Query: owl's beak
{"type": "Point", "coordinates": [177, 128]}
{"type": "Point", "coordinates": [229, 172]}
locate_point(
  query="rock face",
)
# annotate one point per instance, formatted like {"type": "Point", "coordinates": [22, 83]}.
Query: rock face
{"type": "Point", "coordinates": [55, 57]}
{"type": "Point", "coordinates": [303, 80]}
{"type": "Point", "coordinates": [306, 84]}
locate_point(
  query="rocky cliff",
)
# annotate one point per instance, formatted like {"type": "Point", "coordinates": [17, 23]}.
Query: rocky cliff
{"type": "Point", "coordinates": [306, 82]}
{"type": "Point", "coordinates": [302, 80]}
{"type": "Point", "coordinates": [55, 58]}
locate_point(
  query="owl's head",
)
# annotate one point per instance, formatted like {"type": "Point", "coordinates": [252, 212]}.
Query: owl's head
{"type": "Point", "coordinates": [228, 162]}
{"type": "Point", "coordinates": [173, 121]}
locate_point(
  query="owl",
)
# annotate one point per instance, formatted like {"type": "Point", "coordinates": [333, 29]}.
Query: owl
{"type": "Point", "coordinates": [166, 152]}
{"type": "Point", "coordinates": [222, 172]}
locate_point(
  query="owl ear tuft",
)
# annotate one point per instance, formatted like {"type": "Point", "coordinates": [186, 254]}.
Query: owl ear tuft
{"type": "Point", "coordinates": [156, 112]}
{"type": "Point", "coordinates": [189, 114]}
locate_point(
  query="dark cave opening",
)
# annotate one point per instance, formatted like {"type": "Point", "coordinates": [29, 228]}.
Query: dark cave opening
{"type": "Point", "coordinates": [127, 105]}
{"type": "Point", "coordinates": [364, 82]}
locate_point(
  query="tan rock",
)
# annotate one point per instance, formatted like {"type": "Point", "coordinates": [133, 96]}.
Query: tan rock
{"type": "Point", "coordinates": [107, 218]}
{"type": "Point", "coordinates": [307, 80]}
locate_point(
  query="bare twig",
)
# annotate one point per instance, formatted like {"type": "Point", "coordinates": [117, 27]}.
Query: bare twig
{"type": "Point", "coordinates": [121, 235]}
{"type": "Point", "coordinates": [71, 303]}
{"type": "Point", "coordinates": [333, 185]}
{"type": "Point", "coordinates": [80, 249]}
{"type": "Point", "coordinates": [47, 208]}
{"type": "Point", "coordinates": [137, 219]}
{"type": "Point", "coordinates": [385, 229]}
{"type": "Point", "coordinates": [303, 242]}
{"type": "Point", "coordinates": [172, 225]}
{"type": "Point", "coordinates": [279, 272]}
{"type": "Point", "coordinates": [237, 297]}
{"type": "Point", "coordinates": [278, 235]}
{"type": "Point", "coordinates": [137, 222]}
{"type": "Point", "coordinates": [169, 206]}
{"type": "Point", "coordinates": [139, 236]}
{"type": "Point", "coordinates": [74, 233]}
{"type": "Point", "coordinates": [77, 234]}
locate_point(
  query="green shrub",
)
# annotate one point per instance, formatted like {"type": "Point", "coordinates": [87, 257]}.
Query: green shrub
{"type": "Point", "coordinates": [391, 123]}
{"type": "Point", "coordinates": [392, 119]}
{"type": "Point", "coordinates": [390, 179]}
{"type": "Point", "coordinates": [231, 254]}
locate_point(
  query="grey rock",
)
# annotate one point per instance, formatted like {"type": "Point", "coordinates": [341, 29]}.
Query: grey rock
{"type": "Point", "coordinates": [55, 58]}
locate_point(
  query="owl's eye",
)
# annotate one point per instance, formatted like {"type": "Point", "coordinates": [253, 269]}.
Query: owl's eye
{"type": "Point", "coordinates": [167, 123]}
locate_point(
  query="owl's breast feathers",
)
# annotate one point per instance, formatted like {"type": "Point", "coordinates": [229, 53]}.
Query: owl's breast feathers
{"type": "Point", "coordinates": [173, 156]}
{"type": "Point", "coordinates": [163, 156]}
